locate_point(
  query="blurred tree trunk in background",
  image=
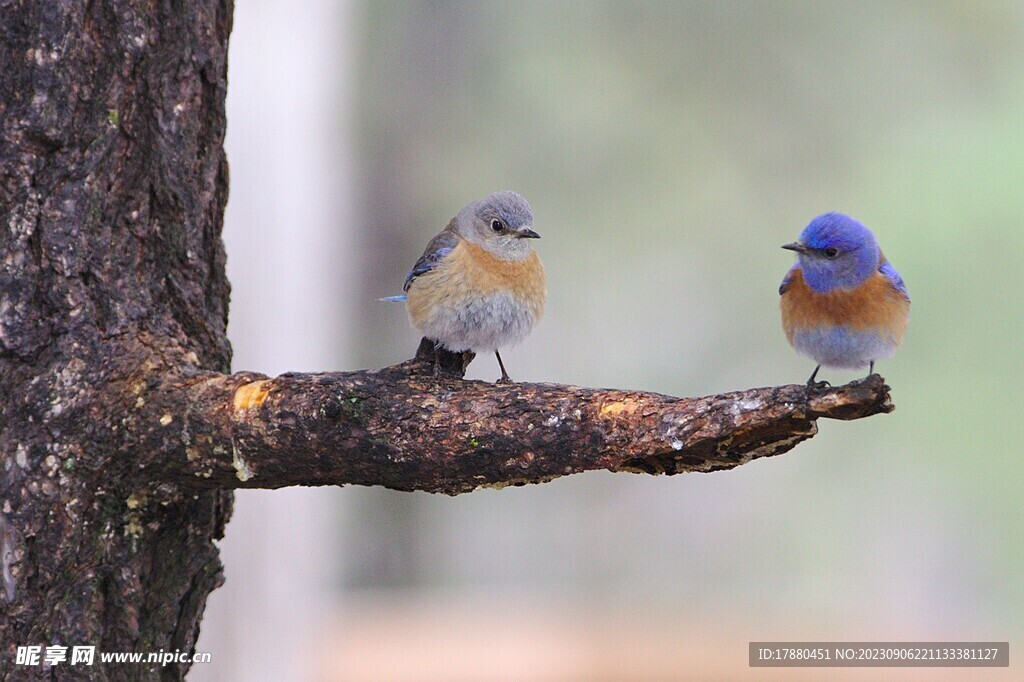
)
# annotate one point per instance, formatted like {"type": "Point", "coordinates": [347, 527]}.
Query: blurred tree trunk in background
{"type": "Point", "coordinates": [113, 182]}
{"type": "Point", "coordinates": [287, 227]}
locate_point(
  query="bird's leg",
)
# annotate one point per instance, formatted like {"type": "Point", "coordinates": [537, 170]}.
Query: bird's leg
{"type": "Point", "coordinates": [438, 362]}
{"type": "Point", "coordinates": [505, 379]}
{"type": "Point", "coordinates": [811, 383]}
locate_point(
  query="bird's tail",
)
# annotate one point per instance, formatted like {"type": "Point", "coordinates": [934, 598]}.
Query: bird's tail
{"type": "Point", "coordinates": [393, 299]}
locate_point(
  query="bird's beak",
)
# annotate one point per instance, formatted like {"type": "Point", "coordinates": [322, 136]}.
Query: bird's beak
{"type": "Point", "coordinates": [528, 234]}
{"type": "Point", "coordinates": [796, 246]}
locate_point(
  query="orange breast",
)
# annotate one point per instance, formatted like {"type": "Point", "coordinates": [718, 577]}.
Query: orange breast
{"type": "Point", "coordinates": [874, 305]}
{"type": "Point", "coordinates": [470, 270]}
{"type": "Point", "coordinates": [489, 274]}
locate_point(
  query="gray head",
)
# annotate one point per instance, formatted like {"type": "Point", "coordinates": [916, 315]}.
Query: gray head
{"type": "Point", "coordinates": [501, 223]}
{"type": "Point", "coordinates": [836, 252]}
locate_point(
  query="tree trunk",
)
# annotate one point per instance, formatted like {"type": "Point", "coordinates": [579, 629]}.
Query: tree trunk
{"type": "Point", "coordinates": [112, 188]}
{"type": "Point", "coordinates": [122, 433]}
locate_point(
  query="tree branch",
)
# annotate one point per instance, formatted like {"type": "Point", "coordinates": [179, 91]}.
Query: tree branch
{"type": "Point", "coordinates": [410, 427]}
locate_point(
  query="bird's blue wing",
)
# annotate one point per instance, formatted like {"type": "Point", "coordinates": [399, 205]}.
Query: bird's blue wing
{"type": "Point", "coordinates": [788, 279]}
{"type": "Point", "coordinates": [439, 247]}
{"type": "Point", "coordinates": [889, 271]}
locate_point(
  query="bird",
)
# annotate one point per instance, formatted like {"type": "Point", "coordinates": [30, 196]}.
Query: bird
{"type": "Point", "coordinates": [479, 285]}
{"type": "Point", "coordinates": [843, 303]}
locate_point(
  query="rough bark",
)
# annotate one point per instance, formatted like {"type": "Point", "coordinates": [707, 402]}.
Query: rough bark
{"type": "Point", "coordinates": [121, 432]}
{"type": "Point", "coordinates": [408, 427]}
{"type": "Point", "coordinates": [112, 188]}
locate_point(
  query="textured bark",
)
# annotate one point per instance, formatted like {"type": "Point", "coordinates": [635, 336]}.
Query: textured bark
{"type": "Point", "coordinates": [121, 432]}
{"type": "Point", "coordinates": [409, 427]}
{"type": "Point", "coordinates": [112, 188]}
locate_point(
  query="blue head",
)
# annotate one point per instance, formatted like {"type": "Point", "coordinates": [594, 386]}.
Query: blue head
{"type": "Point", "coordinates": [836, 252]}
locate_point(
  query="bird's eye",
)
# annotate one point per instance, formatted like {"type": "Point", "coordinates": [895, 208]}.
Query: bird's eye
{"type": "Point", "coordinates": [497, 225]}
{"type": "Point", "coordinates": [831, 252]}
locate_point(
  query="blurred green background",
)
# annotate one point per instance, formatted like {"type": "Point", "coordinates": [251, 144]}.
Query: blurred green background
{"type": "Point", "coordinates": [668, 150]}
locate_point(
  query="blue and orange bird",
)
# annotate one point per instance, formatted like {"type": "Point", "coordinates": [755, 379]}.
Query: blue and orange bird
{"type": "Point", "coordinates": [479, 285]}
{"type": "Point", "coordinates": [843, 304]}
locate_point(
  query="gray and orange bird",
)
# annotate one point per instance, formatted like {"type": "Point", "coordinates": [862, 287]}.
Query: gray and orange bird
{"type": "Point", "coordinates": [479, 285]}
